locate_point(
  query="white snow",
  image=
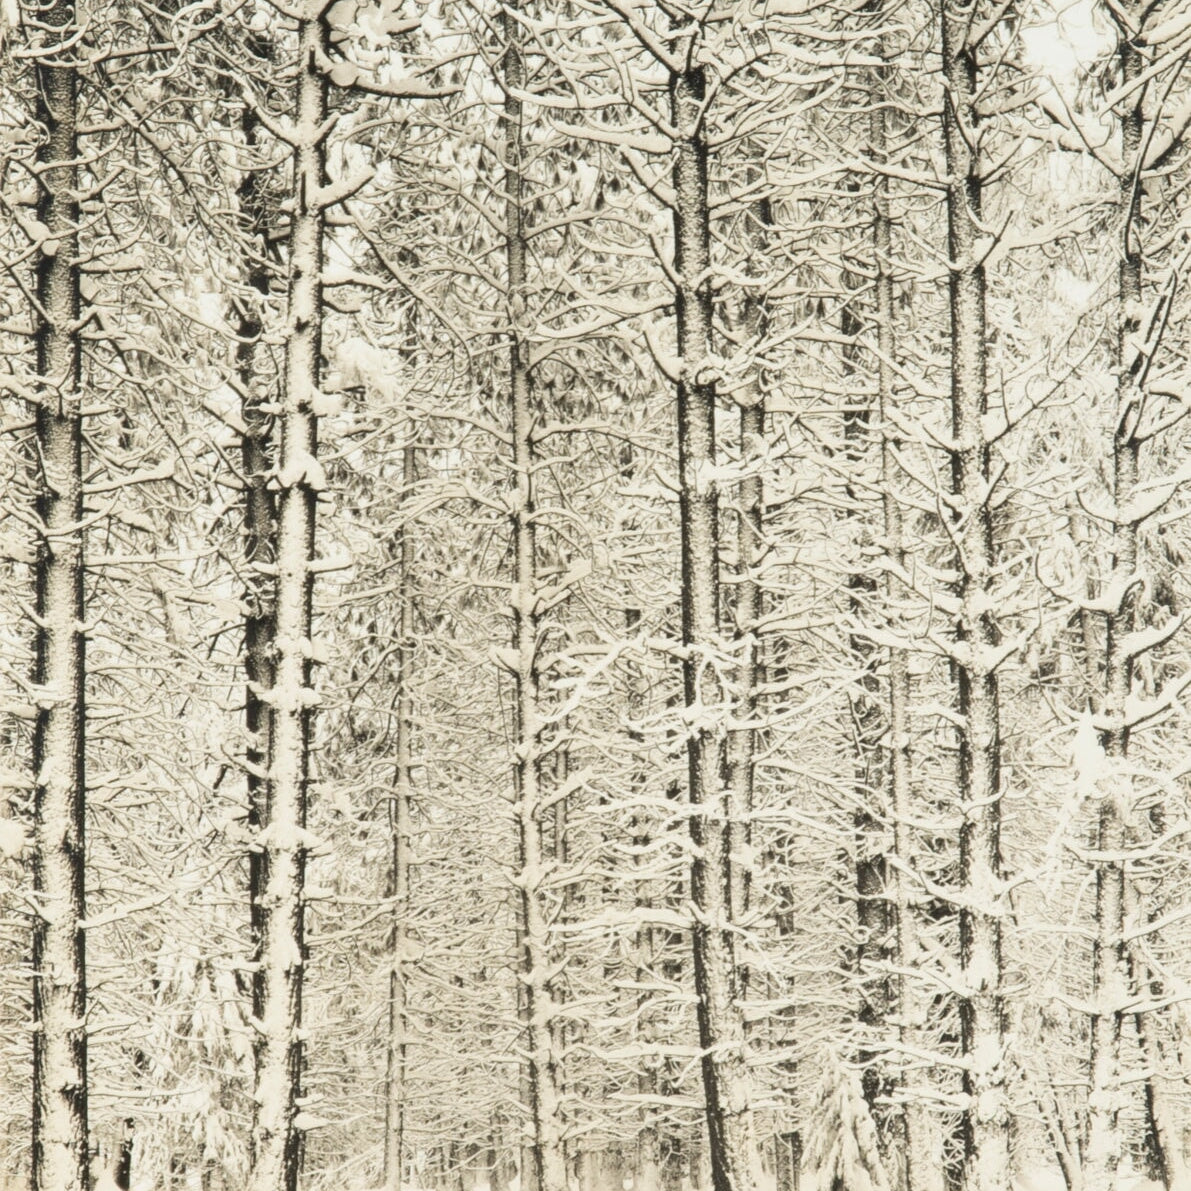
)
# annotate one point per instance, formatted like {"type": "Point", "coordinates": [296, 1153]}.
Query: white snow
{"type": "Point", "coordinates": [1087, 756]}
{"type": "Point", "coordinates": [12, 838]}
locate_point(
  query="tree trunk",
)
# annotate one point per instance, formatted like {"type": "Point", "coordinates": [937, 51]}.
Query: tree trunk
{"type": "Point", "coordinates": [921, 1161]}
{"type": "Point", "coordinates": [400, 829]}
{"type": "Point", "coordinates": [787, 1161]}
{"type": "Point", "coordinates": [1164, 1115]}
{"type": "Point", "coordinates": [291, 700]}
{"type": "Point", "coordinates": [721, 1027]}
{"type": "Point", "coordinates": [1110, 974]}
{"type": "Point", "coordinates": [647, 1168]}
{"type": "Point", "coordinates": [259, 507]}
{"type": "Point", "coordinates": [742, 739]}
{"type": "Point", "coordinates": [985, 1120]}
{"type": "Point", "coordinates": [59, 1119]}
{"type": "Point", "coordinates": [870, 955]}
{"type": "Point", "coordinates": [123, 1174]}
{"type": "Point", "coordinates": [546, 1156]}
{"type": "Point", "coordinates": [498, 1163]}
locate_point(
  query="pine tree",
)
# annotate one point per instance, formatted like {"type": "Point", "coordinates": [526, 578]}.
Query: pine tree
{"type": "Point", "coordinates": [60, 1136]}
{"type": "Point", "coordinates": [291, 700]}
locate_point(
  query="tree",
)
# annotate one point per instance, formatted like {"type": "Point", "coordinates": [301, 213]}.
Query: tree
{"type": "Point", "coordinates": [890, 928]}
{"type": "Point", "coordinates": [256, 386]}
{"type": "Point", "coordinates": [716, 970]}
{"type": "Point", "coordinates": [60, 1138]}
{"type": "Point", "coordinates": [548, 1170]}
{"type": "Point", "coordinates": [402, 850]}
{"type": "Point", "coordinates": [977, 636]}
{"type": "Point", "coordinates": [291, 699]}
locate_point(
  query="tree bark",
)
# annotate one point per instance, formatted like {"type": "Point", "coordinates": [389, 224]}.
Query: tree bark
{"type": "Point", "coordinates": [985, 1122]}
{"type": "Point", "coordinates": [870, 955]}
{"type": "Point", "coordinates": [742, 738]}
{"type": "Point", "coordinates": [123, 1173]}
{"type": "Point", "coordinates": [401, 851]}
{"type": "Point", "coordinates": [547, 1159]}
{"type": "Point", "coordinates": [721, 1027]}
{"type": "Point", "coordinates": [921, 1161]}
{"type": "Point", "coordinates": [259, 511]}
{"type": "Point", "coordinates": [59, 1120]}
{"type": "Point", "coordinates": [1110, 965]}
{"type": "Point", "coordinates": [1164, 1116]}
{"type": "Point", "coordinates": [276, 1142]}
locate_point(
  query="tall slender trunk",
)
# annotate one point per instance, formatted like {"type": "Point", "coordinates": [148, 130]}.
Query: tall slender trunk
{"type": "Point", "coordinates": [721, 1026]}
{"type": "Point", "coordinates": [1110, 967]}
{"type": "Point", "coordinates": [401, 851]}
{"type": "Point", "coordinates": [60, 1158]}
{"type": "Point", "coordinates": [921, 1161]}
{"type": "Point", "coordinates": [873, 916]}
{"type": "Point", "coordinates": [977, 636]}
{"type": "Point", "coordinates": [648, 1169]}
{"type": "Point", "coordinates": [276, 1142]}
{"type": "Point", "coordinates": [742, 738]}
{"type": "Point", "coordinates": [546, 1158]}
{"type": "Point", "coordinates": [1164, 1116]}
{"type": "Point", "coordinates": [747, 608]}
{"type": "Point", "coordinates": [259, 510]}
{"type": "Point", "coordinates": [122, 1176]}
{"type": "Point", "coordinates": [920, 1141]}
{"type": "Point", "coordinates": [528, 1169]}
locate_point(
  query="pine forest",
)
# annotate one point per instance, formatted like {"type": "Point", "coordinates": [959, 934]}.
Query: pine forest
{"type": "Point", "coordinates": [594, 595]}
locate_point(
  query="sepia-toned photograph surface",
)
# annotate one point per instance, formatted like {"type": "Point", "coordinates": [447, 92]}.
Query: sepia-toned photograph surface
{"type": "Point", "coordinates": [594, 595]}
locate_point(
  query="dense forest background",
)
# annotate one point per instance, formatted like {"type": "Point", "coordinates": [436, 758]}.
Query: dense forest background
{"type": "Point", "coordinates": [592, 595]}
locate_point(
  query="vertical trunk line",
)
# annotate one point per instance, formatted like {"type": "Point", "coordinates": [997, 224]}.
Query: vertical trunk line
{"type": "Point", "coordinates": [871, 951]}
{"type": "Point", "coordinates": [259, 513]}
{"type": "Point", "coordinates": [985, 1119]}
{"type": "Point", "coordinates": [750, 551]}
{"type": "Point", "coordinates": [549, 1171]}
{"type": "Point", "coordinates": [400, 828]}
{"type": "Point", "coordinates": [721, 1027]}
{"type": "Point", "coordinates": [291, 700]}
{"type": "Point", "coordinates": [1110, 968]}
{"type": "Point", "coordinates": [59, 1118]}
{"type": "Point", "coordinates": [920, 1160]}
{"type": "Point", "coordinates": [648, 1169]}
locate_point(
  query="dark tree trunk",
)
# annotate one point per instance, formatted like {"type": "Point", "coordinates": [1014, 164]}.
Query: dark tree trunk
{"type": "Point", "coordinates": [976, 656]}
{"type": "Point", "coordinates": [721, 1026]}
{"type": "Point", "coordinates": [543, 1159]}
{"type": "Point", "coordinates": [290, 702]}
{"type": "Point", "coordinates": [59, 1120]}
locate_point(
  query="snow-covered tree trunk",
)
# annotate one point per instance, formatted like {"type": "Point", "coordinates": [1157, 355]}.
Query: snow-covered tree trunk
{"type": "Point", "coordinates": [60, 1157]}
{"type": "Point", "coordinates": [887, 928]}
{"type": "Point", "coordinates": [1163, 1062]}
{"type": "Point", "coordinates": [122, 1175]}
{"type": "Point", "coordinates": [291, 700]}
{"type": "Point", "coordinates": [647, 1174]}
{"type": "Point", "coordinates": [921, 1161]}
{"type": "Point", "coordinates": [977, 635]}
{"type": "Point", "coordinates": [1110, 969]}
{"type": "Point", "coordinates": [721, 1026]}
{"type": "Point", "coordinates": [259, 511]}
{"type": "Point", "coordinates": [401, 855]}
{"type": "Point", "coordinates": [547, 1158]}
{"type": "Point", "coordinates": [865, 727]}
{"type": "Point", "coordinates": [750, 550]}
{"type": "Point", "coordinates": [742, 740]}
{"type": "Point", "coordinates": [920, 1158]}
